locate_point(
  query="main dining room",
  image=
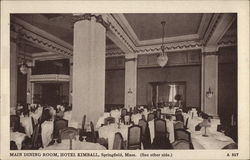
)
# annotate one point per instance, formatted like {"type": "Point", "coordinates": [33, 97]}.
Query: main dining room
{"type": "Point", "coordinates": [123, 81]}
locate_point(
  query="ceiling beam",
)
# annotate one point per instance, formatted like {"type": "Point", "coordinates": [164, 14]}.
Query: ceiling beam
{"type": "Point", "coordinates": [221, 25]}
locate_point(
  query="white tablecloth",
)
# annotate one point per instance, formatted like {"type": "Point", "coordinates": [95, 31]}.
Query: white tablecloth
{"type": "Point", "coordinates": [37, 114]}
{"type": "Point", "coordinates": [100, 121]}
{"type": "Point", "coordinates": [76, 145]}
{"type": "Point", "coordinates": [213, 141]}
{"type": "Point", "coordinates": [110, 130]}
{"type": "Point", "coordinates": [47, 131]}
{"type": "Point", "coordinates": [170, 129]}
{"type": "Point", "coordinates": [18, 138]}
{"type": "Point", "coordinates": [27, 124]}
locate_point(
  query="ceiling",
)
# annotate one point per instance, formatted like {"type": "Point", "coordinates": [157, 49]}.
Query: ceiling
{"type": "Point", "coordinates": [145, 26]}
{"type": "Point", "coordinates": [148, 26]}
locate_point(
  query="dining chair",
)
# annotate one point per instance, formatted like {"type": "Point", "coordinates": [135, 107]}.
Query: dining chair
{"type": "Point", "coordinates": [109, 120]}
{"type": "Point", "coordinates": [231, 146]}
{"type": "Point", "coordinates": [160, 128]}
{"type": "Point", "coordinates": [158, 113]}
{"type": "Point", "coordinates": [151, 116]}
{"type": "Point", "coordinates": [14, 122]}
{"type": "Point", "coordinates": [145, 133]}
{"type": "Point", "coordinates": [182, 145]}
{"type": "Point", "coordinates": [186, 124]}
{"type": "Point", "coordinates": [93, 133]}
{"type": "Point", "coordinates": [58, 125]}
{"type": "Point", "coordinates": [83, 122]}
{"type": "Point", "coordinates": [134, 137]}
{"type": "Point", "coordinates": [118, 141]}
{"type": "Point", "coordinates": [182, 134]}
{"type": "Point", "coordinates": [179, 117]}
{"type": "Point", "coordinates": [68, 133]}
{"type": "Point", "coordinates": [36, 139]}
{"type": "Point", "coordinates": [123, 112]}
{"type": "Point", "coordinates": [178, 125]}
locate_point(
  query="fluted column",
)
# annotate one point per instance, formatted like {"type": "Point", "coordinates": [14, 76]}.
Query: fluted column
{"type": "Point", "coordinates": [89, 67]}
{"type": "Point", "coordinates": [130, 80]}
{"type": "Point", "coordinates": [210, 81]}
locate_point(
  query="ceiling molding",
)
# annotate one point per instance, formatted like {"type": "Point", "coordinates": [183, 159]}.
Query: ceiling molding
{"type": "Point", "coordinates": [41, 38]}
{"type": "Point", "coordinates": [222, 23]}
{"type": "Point", "coordinates": [204, 24]}
{"type": "Point", "coordinates": [180, 46]}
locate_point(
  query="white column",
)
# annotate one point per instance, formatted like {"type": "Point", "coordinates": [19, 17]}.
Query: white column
{"type": "Point", "coordinates": [130, 80]}
{"type": "Point", "coordinates": [13, 73]}
{"type": "Point", "coordinates": [29, 88]}
{"type": "Point", "coordinates": [210, 80]}
{"type": "Point", "coordinates": [89, 67]}
{"type": "Point", "coordinates": [70, 80]}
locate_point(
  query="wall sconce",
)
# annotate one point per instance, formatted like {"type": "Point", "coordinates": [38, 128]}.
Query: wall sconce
{"type": "Point", "coordinates": [28, 92]}
{"type": "Point", "coordinates": [130, 91]}
{"type": "Point", "coordinates": [209, 93]}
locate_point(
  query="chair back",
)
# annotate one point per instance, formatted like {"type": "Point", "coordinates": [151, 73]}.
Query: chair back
{"type": "Point", "coordinates": [94, 137]}
{"type": "Point", "coordinates": [182, 134]}
{"type": "Point", "coordinates": [134, 137]}
{"type": "Point", "coordinates": [68, 133]}
{"type": "Point", "coordinates": [83, 122]}
{"type": "Point", "coordinates": [109, 120]}
{"type": "Point", "coordinates": [35, 137]}
{"type": "Point", "coordinates": [158, 113]}
{"type": "Point", "coordinates": [127, 119]}
{"type": "Point", "coordinates": [181, 144]}
{"type": "Point", "coordinates": [151, 116]}
{"type": "Point", "coordinates": [186, 124]}
{"type": "Point", "coordinates": [58, 125]}
{"type": "Point", "coordinates": [231, 146]}
{"type": "Point", "coordinates": [178, 125]}
{"type": "Point", "coordinates": [179, 117]}
{"type": "Point", "coordinates": [14, 122]}
{"type": "Point", "coordinates": [143, 123]}
{"type": "Point", "coordinates": [118, 141]}
{"type": "Point", "coordinates": [160, 127]}
{"type": "Point", "coordinates": [123, 112]}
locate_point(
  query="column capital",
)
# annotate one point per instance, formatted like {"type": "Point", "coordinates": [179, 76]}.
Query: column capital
{"type": "Point", "coordinates": [210, 50]}
{"type": "Point", "coordinates": [99, 18]}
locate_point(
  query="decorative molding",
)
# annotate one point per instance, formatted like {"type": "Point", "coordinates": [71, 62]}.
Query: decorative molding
{"type": "Point", "coordinates": [210, 53]}
{"type": "Point", "coordinates": [39, 37]}
{"type": "Point", "coordinates": [88, 16]}
{"type": "Point", "coordinates": [170, 47]}
{"type": "Point", "coordinates": [50, 77]}
{"type": "Point", "coordinates": [130, 59]}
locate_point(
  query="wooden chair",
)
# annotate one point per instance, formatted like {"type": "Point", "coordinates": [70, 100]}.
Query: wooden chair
{"type": "Point", "coordinates": [118, 141]}
{"type": "Point", "coordinates": [151, 116]}
{"type": "Point", "coordinates": [15, 122]}
{"type": "Point", "coordinates": [58, 125]}
{"type": "Point", "coordinates": [231, 146]}
{"type": "Point", "coordinates": [134, 137]}
{"type": "Point", "coordinates": [158, 113]}
{"type": "Point", "coordinates": [178, 125]}
{"type": "Point", "coordinates": [160, 128]}
{"type": "Point", "coordinates": [109, 120]}
{"type": "Point", "coordinates": [83, 122]}
{"type": "Point", "coordinates": [93, 134]}
{"type": "Point", "coordinates": [182, 144]}
{"type": "Point", "coordinates": [145, 133]}
{"type": "Point", "coordinates": [182, 134]}
{"type": "Point", "coordinates": [179, 117]}
{"type": "Point", "coordinates": [68, 133]}
{"type": "Point", "coordinates": [186, 124]}
{"type": "Point", "coordinates": [36, 139]}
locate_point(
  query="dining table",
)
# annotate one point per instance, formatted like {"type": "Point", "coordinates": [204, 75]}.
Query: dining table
{"type": "Point", "coordinates": [108, 132]}
{"type": "Point", "coordinates": [76, 145]}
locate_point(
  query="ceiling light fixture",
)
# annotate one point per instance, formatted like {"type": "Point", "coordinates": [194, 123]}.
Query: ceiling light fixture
{"type": "Point", "coordinates": [162, 58]}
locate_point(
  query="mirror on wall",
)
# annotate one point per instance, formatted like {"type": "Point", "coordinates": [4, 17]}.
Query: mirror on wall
{"type": "Point", "coordinates": [167, 93]}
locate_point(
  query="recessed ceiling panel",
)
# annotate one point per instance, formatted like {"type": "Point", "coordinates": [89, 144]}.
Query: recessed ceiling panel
{"type": "Point", "coordinates": [148, 26]}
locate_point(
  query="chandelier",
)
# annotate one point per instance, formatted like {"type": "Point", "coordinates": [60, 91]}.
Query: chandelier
{"type": "Point", "coordinates": [162, 58]}
{"type": "Point", "coordinates": [25, 65]}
